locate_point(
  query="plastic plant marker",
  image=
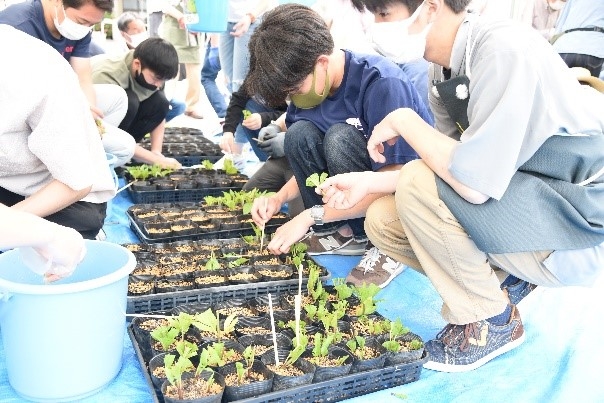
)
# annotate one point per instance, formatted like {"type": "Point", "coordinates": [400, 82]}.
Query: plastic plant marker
{"type": "Point", "coordinates": [270, 309]}
{"type": "Point", "coordinates": [298, 304]}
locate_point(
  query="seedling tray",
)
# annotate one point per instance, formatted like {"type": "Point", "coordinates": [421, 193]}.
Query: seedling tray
{"type": "Point", "coordinates": [169, 300]}
{"type": "Point", "coordinates": [176, 196]}
{"type": "Point", "coordinates": [334, 390]}
{"type": "Point", "coordinates": [235, 233]}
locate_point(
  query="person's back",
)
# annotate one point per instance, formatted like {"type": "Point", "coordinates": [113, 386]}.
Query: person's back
{"type": "Point", "coordinates": [579, 35]}
{"type": "Point", "coordinates": [52, 150]}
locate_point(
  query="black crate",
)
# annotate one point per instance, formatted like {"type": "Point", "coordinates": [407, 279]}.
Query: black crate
{"type": "Point", "coordinates": [169, 300]}
{"type": "Point", "coordinates": [333, 390]}
{"type": "Point", "coordinates": [236, 233]}
{"type": "Point", "coordinates": [175, 196]}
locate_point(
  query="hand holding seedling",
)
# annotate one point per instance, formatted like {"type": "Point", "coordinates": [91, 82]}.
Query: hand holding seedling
{"type": "Point", "coordinates": [263, 209]}
{"type": "Point", "coordinates": [344, 191]}
{"type": "Point", "coordinates": [252, 121]}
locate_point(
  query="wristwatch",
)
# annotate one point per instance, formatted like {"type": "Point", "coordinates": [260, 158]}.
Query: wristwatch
{"type": "Point", "coordinates": [317, 212]}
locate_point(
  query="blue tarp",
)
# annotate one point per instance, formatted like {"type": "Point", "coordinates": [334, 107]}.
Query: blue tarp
{"type": "Point", "coordinates": [560, 361]}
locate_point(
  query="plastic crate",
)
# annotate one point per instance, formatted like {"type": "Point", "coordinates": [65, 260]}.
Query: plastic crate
{"type": "Point", "coordinates": [235, 233]}
{"type": "Point", "coordinates": [169, 300]}
{"type": "Point", "coordinates": [333, 390]}
{"type": "Point", "coordinates": [174, 196]}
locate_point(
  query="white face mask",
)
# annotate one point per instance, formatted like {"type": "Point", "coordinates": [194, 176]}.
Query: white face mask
{"type": "Point", "coordinates": [69, 28]}
{"type": "Point", "coordinates": [136, 39]}
{"type": "Point", "coordinates": [393, 40]}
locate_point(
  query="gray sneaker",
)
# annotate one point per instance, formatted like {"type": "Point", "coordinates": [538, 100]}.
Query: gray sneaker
{"type": "Point", "coordinates": [375, 268]}
{"type": "Point", "coordinates": [460, 348]}
{"type": "Point", "coordinates": [333, 244]}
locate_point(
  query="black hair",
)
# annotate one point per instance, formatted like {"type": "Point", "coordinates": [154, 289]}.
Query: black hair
{"type": "Point", "coordinates": [105, 5]}
{"type": "Point", "coordinates": [457, 6]}
{"type": "Point", "coordinates": [159, 56]}
{"type": "Point", "coordinates": [284, 50]}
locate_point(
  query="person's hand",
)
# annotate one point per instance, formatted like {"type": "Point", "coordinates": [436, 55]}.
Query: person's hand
{"type": "Point", "coordinates": [264, 208]}
{"type": "Point", "coordinates": [253, 122]}
{"type": "Point", "coordinates": [272, 143]}
{"type": "Point", "coordinates": [288, 234]}
{"type": "Point", "coordinates": [385, 131]}
{"type": "Point", "coordinates": [181, 22]}
{"type": "Point", "coordinates": [96, 112]}
{"type": "Point", "coordinates": [242, 26]}
{"type": "Point", "coordinates": [65, 251]}
{"type": "Point", "coordinates": [344, 191]}
{"type": "Point", "coordinates": [167, 162]}
{"type": "Point", "coordinates": [227, 142]}
{"type": "Point", "coordinates": [214, 58]}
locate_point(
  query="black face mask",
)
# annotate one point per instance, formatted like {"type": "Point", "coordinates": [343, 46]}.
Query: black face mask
{"type": "Point", "coordinates": [140, 79]}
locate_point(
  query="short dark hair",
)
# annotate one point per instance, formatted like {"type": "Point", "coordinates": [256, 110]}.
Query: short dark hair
{"type": "Point", "coordinates": [125, 20]}
{"type": "Point", "coordinates": [159, 56]}
{"type": "Point", "coordinates": [284, 50]}
{"type": "Point", "coordinates": [457, 6]}
{"type": "Point", "coordinates": [105, 5]}
{"type": "Point", "coordinates": [374, 6]}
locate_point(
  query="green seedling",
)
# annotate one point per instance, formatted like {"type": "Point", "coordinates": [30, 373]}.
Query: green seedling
{"type": "Point", "coordinates": [366, 294]}
{"type": "Point", "coordinates": [238, 262]}
{"type": "Point", "coordinates": [212, 263]}
{"type": "Point", "coordinates": [207, 164]}
{"type": "Point", "coordinates": [343, 290]}
{"type": "Point", "coordinates": [166, 335]}
{"type": "Point", "coordinates": [244, 370]}
{"type": "Point", "coordinates": [357, 347]}
{"type": "Point", "coordinates": [229, 167]}
{"type": "Point", "coordinates": [246, 114]}
{"type": "Point", "coordinates": [209, 322]}
{"type": "Point", "coordinates": [315, 179]}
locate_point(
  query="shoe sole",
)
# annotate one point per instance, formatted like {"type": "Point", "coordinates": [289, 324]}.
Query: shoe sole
{"type": "Point", "coordinates": [339, 251]}
{"type": "Point", "coordinates": [392, 276]}
{"type": "Point", "coordinates": [441, 367]}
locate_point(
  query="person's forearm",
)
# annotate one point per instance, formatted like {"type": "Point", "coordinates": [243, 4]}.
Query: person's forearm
{"type": "Point", "coordinates": [157, 138]}
{"type": "Point", "coordinates": [261, 7]}
{"type": "Point", "coordinates": [289, 191]}
{"type": "Point", "coordinates": [51, 198]}
{"type": "Point", "coordinates": [23, 229]}
{"type": "Point", "coordinates": [435, 149]}
{"type": "Point", "coordinates": [145, 156]}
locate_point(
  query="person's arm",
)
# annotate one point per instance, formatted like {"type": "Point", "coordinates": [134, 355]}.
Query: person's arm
{"type": "Point", "coordinates": [83, 69]}
{"type": "Point", "coordinates": [145, 156]}
{"type": "Point", "coordinates": [434, 148]}
{"type": "Point", "coordinates": [243, 25]}
{"type": "Point", "coordinates": [157, 138]}
{"type": "Point", "coordinates": [51, 198]}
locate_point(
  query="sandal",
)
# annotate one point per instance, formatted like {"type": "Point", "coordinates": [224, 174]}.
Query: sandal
{"type": "Point", "coordinates": [194, 114]}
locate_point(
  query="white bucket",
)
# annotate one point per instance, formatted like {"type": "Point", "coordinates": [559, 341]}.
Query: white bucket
{"type": "Point", "coordinates": [64, 341]}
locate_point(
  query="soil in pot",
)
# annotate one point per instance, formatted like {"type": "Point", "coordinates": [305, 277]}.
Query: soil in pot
{"type": "Point", "coordinates": [162, 286]}
{"type": "Point", "coordinates": [253, 326]}
{"type": "Point", "coordinates": [256, 381]}
{"type": "Point", "coordinates": [301, 372]}
{"type": "Point", "coordinates": [234, 306]}
{"type": "Point", "coordinates": [336, 363]}
{"type": "Point", "coordinates": [214, 278]}
{"type": "Point", "coordinates": [371, 356]}
{"type": "Point", "coordinates": [263, 343]}
{"type": "Point", "coordinates": [411, 348]}
{"type": "Point", "coordinates": [196, 389]}
{"type": "Point", "coordinates": [275, 273]}
{"type": "Point", "coordinates": [138, 288]}
{"type": "Point", "coordinates": [242, 275]}
{"type": "Point", "coordinates": [143, 186]}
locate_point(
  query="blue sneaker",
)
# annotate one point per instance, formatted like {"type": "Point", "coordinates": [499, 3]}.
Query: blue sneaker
{"type": "Point", "coordinates": [516, 288]}
{"type": "Point", "coordinates": [460, 348]}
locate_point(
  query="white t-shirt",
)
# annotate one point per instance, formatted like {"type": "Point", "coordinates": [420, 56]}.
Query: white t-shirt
{"type": "Point", "coordinates": [46, 129]}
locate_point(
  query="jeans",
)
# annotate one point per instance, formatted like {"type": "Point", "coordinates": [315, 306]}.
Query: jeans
{"type": "Point", "coordinates": [112, 100]}
{"type": "Point", "coordinates": [243, 134]}
{"type": "Point", "coordinates": [341, 149]}
{"type": "Point", "coordinates": [235, 56]}
{"type": "Point", "coordinates": [209, 73]}
{"type": "Point", "coordinates": [176, 108]}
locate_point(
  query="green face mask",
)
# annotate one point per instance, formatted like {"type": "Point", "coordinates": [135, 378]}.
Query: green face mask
{"type": "Point", "coordinates": [311, 98]}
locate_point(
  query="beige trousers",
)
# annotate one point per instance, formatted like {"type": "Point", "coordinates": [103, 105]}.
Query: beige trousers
{"type": "Point", "coordinates": [416, 228]}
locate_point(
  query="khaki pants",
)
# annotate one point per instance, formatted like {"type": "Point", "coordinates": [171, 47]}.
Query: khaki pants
{"type": "Point", "coordinates": [416, 228]}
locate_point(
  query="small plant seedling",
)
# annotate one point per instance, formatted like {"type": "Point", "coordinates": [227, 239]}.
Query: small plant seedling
{"type": "Point", "coordinates": [357, 346]}
{"type": "Point", "coordinates": [207, 164]}
{"type": "Point", "coordinates": [166, 335]}
{"type": "Point", "coordinates": [246, 114]}
{"type": "Point", "coordinates": [207, 321]}
{"type": "Point", "coordinates": [229, 167]}
{"type": "Point", "coordinates": [315, 179]}
{"type": "Point", "coordinates": [343, 290]}
{"type": "Point", "coordinates": [244, 370]}
{"type": "Point", "coordinates": [297, 351]}
{"type": "Point", "coordinates": [366, 294]}
{"type": "Point", "coordinates": [238, 262]}
{"type": "Point", "coordinates": [401, 396]}
{"type": "Point", "coordinates": [212, 263]}
{"type": "Point", "coordinates": [175, 368]}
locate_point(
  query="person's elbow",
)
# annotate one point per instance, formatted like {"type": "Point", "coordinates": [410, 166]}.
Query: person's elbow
{"type": "Point", "coordinates": [81, 193]}
{"type": "Point", "coordinates": [474, 197]}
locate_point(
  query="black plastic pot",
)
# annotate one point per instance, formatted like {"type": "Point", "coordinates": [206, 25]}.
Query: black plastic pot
{"type": "Point", "coordinates": [216, 398]}
{"type": "Point", "coordinates": [282, 382]}
{"type": "Point", "coordinates": [325, 373]}
{"type": "Point", "coordinates": [243, 391]}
